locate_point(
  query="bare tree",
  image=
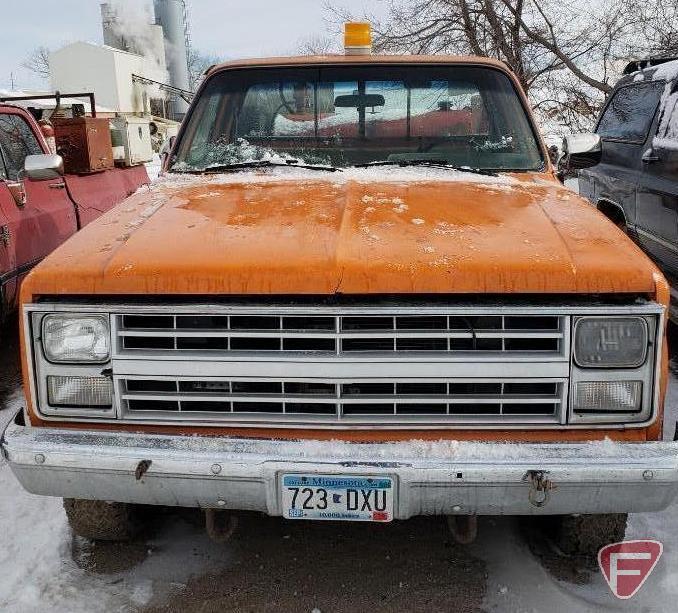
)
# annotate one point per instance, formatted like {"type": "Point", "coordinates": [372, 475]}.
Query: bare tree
{"type": "Point", "coordinates": [198, 63]}
{"type": "Point", "coordinates": [657, 27]}
{"type": "Point", "coordinates": [318, 45]}
{"type": "Point", "coordinates": [566, 55]}
{"type": "Point", "coordinates": [38, 62]}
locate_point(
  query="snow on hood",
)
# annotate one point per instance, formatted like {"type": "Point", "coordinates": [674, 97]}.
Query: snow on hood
{"type": "Point", "coordinates": [372, 174]}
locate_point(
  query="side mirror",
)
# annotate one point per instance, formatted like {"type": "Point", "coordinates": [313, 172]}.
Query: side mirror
{"type": "Point", "coordinates": [580, 151]}
{"type": "Point", "coordinates": [43, 167]}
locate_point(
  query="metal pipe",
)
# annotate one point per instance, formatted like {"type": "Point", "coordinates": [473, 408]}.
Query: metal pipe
{"type": "Point", "coordinates": [464, 528]}
{"type": "Point", "coordinates": [56, 96]}
{"type": "Point", "coordinates": [220, 525]}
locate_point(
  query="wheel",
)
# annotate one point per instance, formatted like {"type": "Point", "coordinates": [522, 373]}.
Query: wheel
{"type": "Point", "coordinates": [587, 534]}
{"type": "Point", "coordinates": [100, 520]}
{"type": "Point", "coordinates": [615, 215]}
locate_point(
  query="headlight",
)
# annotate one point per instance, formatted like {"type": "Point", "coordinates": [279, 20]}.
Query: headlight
{"type": "Point", "coordinates": [610, 342]}
{"type": "Point", "coordinates": [71, 339]}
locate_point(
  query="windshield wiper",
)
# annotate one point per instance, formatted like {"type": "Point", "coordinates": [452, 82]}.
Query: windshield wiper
{"type": "Point", "coordinates": [430, 163]}
{"type": "Point", "coordinates": [262, 164]}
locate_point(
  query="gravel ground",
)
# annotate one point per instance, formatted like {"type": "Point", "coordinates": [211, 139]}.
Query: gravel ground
{"type": "Point", "coordinates": [276, 565]}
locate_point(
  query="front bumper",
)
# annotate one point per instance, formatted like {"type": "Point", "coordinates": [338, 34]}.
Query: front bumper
{"type": "Point", "coordinates": [432, 478]}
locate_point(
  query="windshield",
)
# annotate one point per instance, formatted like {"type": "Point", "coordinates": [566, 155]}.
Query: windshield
{"type": "Point", "coordinates": [346, 116]}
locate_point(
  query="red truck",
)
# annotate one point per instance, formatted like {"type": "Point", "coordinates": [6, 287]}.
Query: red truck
{"type": "Point", "coordinates": [40, 206]}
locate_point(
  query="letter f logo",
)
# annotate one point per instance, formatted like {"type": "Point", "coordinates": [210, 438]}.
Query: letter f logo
{"type": "Point", "coordinates": [628, 564]}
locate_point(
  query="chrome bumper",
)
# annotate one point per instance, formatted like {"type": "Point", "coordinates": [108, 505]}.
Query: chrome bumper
{"type": "Point", "coordinates": [431, 477]}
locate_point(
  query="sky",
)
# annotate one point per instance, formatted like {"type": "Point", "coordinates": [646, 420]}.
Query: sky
{"type": "Point", "coordinates": [224, 28]}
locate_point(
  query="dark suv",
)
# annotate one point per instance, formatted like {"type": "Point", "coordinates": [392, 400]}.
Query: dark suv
{"type": "Point", "coordinates": [635, 182]}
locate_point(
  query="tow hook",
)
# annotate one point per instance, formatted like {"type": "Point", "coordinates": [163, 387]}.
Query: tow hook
{"type": "Point", "coordinates": [540, 487]}
{"type": "Point", "coordinates": [142, 469]}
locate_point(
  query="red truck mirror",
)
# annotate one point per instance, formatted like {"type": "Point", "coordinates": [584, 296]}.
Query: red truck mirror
{"type": "Point", "coordinates": [43, 167]}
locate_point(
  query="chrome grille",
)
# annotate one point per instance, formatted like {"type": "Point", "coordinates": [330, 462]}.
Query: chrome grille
{"type": "Point", "coordinates": [331, 366]}
{"type": "Point", "coordinates": [339, 334]}
{"type": "Point", "coordinates": [434, 400]}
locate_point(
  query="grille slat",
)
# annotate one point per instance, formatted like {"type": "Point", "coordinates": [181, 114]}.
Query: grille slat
{"type": "Point", "coordinates": [343, 400]}
{"type": "Point", "coordinates": [343, 334]}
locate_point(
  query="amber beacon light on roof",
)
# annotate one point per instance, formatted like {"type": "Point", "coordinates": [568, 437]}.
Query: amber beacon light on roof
{"type": "Point", "coordinates": [357, 38]}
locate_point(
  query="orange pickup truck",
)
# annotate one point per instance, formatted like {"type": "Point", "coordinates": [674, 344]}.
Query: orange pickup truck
{"type": "Point", "coordinates": [359, 293]}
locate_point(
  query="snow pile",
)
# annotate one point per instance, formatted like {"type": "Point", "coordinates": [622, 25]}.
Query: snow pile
{"type": "Point", "coordinates": [369, 175]}
{"type": "Point", "coordinates": [36, 572]}
{"type": "Point", "coordinates": [222, 152]}
{"type": "Point", "coordinates": [525, 585]}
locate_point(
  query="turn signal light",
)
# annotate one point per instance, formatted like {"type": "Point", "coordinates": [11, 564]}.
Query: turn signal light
{"type": "Point", "coordinates": [612, 396]}
{"type": "Point", "coordinates": [80, 392]}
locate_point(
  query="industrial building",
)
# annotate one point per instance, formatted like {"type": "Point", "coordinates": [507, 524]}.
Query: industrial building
{"type": "Point", "coordinates": [108, 72]}
{"type": "Point", "coordinates": [140, 70]}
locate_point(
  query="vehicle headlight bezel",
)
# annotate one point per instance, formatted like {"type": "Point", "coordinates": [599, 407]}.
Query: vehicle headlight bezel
{"type": "Point", "coordinates": [642, 350]}
{"type": "Point", "coordinates": [646, 371]}
{"type": "Point", "coordinates": [101, 327]}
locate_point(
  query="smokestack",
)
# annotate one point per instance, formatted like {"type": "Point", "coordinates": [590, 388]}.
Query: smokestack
{"type": "Point", "coordinates": [170, 14]}
{"type": "Point", "coordinates": [111, 29]}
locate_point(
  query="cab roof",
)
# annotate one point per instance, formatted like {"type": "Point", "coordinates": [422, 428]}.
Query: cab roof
{"type": "Point", "coordinates": [333, 60]}
{"type": "Point", "coordinates": [665, 70]}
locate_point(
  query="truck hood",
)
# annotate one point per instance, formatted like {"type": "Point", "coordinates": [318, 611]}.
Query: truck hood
{"type": "Point", "coordinates": [391, 231]}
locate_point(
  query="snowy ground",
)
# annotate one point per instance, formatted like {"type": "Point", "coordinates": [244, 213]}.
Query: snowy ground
{"type": "Point", "coordinates": [42, 567]}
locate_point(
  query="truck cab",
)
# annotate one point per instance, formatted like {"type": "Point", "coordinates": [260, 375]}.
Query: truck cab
{"type": "Point", "coordinates": [42, 207]}
{"type": "Point", "coordinates": [35, 216]}
{"type": "Point", "coordinates": [359, 293]}
{"type": "Point", "coordinates": [636, 181]}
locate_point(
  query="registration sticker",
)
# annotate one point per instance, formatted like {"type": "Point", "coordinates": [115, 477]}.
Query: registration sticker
{"type": "Point", "coordinates": [337, 497]}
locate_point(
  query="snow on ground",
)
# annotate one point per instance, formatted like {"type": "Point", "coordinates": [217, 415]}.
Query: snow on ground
{"type": "Point", "coordinates": [518, 582]}
{"type": "Point", "coordinates": [37, 571]}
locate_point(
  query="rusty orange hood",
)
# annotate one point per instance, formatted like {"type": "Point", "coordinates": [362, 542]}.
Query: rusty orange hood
{"type": "Point", "coordinates": [316, 233]}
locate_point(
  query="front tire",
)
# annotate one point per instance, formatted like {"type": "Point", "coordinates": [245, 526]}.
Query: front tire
{"type": "Point", "coordinates": [587, 534]}
{"type": "Point", "coordinates": [99, 520]}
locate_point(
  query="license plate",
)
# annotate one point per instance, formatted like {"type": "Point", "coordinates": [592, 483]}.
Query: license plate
{"type": "Point", "coordinates": [337, 497]}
